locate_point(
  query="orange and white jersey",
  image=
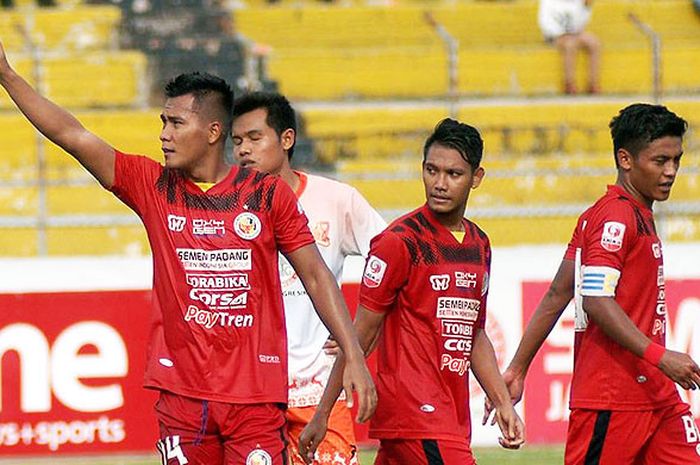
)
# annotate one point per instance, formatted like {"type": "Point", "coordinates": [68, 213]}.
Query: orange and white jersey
{"type": "Point", "coordinates": [342, 223]}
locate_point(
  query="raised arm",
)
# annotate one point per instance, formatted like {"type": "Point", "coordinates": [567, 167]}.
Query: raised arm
{"type": "Point", "coordinates": [330, 306]}
{"type": "Point", "coordinates": [58, 125]}
{"type": "Point", "coordinates": [612, 319]}
{"type": "Point", "coordinates": [368, 326]}
{"type": "Point", "coordinates": [485, 369]}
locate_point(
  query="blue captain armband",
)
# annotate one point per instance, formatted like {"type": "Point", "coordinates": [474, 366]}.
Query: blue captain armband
{"type": "Point", "coordinates": [599, 281]}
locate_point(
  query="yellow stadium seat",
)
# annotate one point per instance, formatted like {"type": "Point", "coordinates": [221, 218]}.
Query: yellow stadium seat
{"type": "Point", "coordinates": [98, 240]}
{"type": "Point", "coordinates": [106, 79]}
{"type": "Point", "coordinates": [70, 27]}
{"type": "Point", "coordinates": [90, 199]}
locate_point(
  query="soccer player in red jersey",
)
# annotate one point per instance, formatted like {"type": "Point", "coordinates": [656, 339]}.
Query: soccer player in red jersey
{"type": "Point", "coordinates": [625, 408]}
{"type": "Point", "coordinates": [217, 352]}
{"type": "Point", "coordinates": [423, 304]}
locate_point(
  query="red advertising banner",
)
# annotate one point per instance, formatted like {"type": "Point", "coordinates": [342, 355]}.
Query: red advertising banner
{"type": "Point", "coordinates": [72, 365]}
{"type": "Point", "coordinates": [71, 369]}
{"type": "Point", "coordinates": [548, 382]}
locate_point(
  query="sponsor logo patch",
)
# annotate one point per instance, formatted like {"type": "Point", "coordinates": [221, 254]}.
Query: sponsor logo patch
{"type": "Point", "coordinates": [458, 308]}
{"type": "Point", "coordinates": [215, 260]}
{"type": "Point", "coordinates": [176, 223]}
{"type": "Point", "coordinates": [455, 365]}
{"type": "Point", "coordinates": [456, 329]}
{"type": "Point", "coordinates": [209, 319]}
{"type": "Point", "coordinates": [374, 271]}
{"type": "Point", "coordinates": [247, 226]}
{"type": "Point", "coordinates": [613, 233]}
{"type": "Point", "coordinates": [465, 279]}
{"type": "Point", "coordinates": [458, 345]}
{"type": "Point", "coordinates": [208, 228]}
{"type": "Point", "coordinates": [440, 282]}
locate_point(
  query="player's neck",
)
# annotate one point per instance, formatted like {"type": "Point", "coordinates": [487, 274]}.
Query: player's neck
{"type": "Point", "coordinates": [211, 170]}
{"type": "Point", "coordinates": [452, 221]}
{"type": "Point", "coordinates": [627, 185]}
{"type": "Point", "coordinates": [290, 177]}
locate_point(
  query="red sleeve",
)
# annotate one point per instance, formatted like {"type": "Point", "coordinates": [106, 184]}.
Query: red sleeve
{"type": "Point", "coordinates": [386, 272]}
{"type": "Point", "coordinates": [608, 237]}
{"type": "Point", "coordinates": [481, 321]}
{"type": "Point", "coordinates": [574, 243]}
{"type": "Point", "coordinates": [291, 227]}
{"type": "Point", "coordinates": [134, 177]}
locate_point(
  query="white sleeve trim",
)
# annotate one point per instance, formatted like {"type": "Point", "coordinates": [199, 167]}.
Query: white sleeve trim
{"type": "Point", "coordinates": [599, 281]}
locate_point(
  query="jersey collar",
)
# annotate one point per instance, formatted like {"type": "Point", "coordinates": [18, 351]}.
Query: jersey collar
{"type": "Point", "coordinates": [619, 190]}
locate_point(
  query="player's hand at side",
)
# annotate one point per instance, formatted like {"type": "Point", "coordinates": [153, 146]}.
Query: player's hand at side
{"type": "Point", "coordinates": [311, 436]}
{"type": "Point", "coordinates": [512, 427]}
{"type": "Point", "coordinates": [331, 346]}
{"type": "Point", "coordinates": [356, 378]}
{"type": "Point", "coordinates": [515, 384]}
{"type": "Point", "coordinates": [681, 369]}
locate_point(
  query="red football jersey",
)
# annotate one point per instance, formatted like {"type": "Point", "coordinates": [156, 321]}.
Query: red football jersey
{"type": "Point", "coordinates": [218, 330]}
{"type": "Point", "coordinates": [616, 239]}
{"type": "Point", "coordinates": [433, 290]}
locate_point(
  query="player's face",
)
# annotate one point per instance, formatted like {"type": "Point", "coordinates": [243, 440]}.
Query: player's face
{"type": "Point", "coordinates": [652, 172]}
{"type": "Point", "coordinates": [448, 178]}
{"type": "Point", "coordinates": [184, 136]}
{"type": "Point", "coordinates": [257, 145]}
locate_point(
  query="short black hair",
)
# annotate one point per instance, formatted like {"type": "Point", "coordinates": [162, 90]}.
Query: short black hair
{"type": "Point", "coordinates": [639, 124]}
{"type": "Point", "coordinates": [204, 86]}
{"type": "Point", "coordinates": [461, 137]}
{"type": "Point", "coordinates": [280, 114]}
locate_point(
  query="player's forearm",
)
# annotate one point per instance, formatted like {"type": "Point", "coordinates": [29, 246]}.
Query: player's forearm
{"type": "Point", "coordinates": [611, 318]}
{"type": "Point", "coordinates": [51, 120]}
{"type": "Point", "coordinates": [485, 369]}
{"type": "Point", "coordinates": [550, 308]}
{"type": "Point", "coordinates": [333, 388]}
{"type": "Point", "coordinates": [331, 308]}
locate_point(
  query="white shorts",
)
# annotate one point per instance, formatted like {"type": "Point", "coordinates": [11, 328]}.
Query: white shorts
{"type": "Point", "coordinates": [559, 17]}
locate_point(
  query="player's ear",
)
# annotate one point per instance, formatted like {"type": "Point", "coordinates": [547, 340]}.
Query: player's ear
{"type": "Point", "coordinates": [479, 174]}
{"type": "Point", "coordinates": [216, 132]}
{"type": "Point", "coordinates": [287, 138]}
{"type": "Point", "coordinates": [624, 159]}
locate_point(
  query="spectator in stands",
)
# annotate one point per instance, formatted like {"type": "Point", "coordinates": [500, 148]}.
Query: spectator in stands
{"type": "Point", "coordinates": [563, 23]}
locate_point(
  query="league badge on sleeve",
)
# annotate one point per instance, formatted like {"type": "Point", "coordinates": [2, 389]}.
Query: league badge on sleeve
{"type": "Point", "coordinates": [374, 271]}
{"type": "Point", "coordinates": [613, 233]}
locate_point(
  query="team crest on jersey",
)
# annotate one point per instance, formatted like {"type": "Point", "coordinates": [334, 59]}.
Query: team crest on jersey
{"type": "Point", "coordinates": [613, 233]}
{"type": "Point", "coordinates": [320, 232]}
{"type": "Point", "coordinates": [258, 457]}
{"type": "Point", "coordinates": [374, 271]}
{"type": "Point", "coordinates": [247, 226]}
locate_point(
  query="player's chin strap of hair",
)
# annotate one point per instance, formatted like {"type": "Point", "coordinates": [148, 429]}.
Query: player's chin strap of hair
{"type": "Point", "coordinates": [653, 353]}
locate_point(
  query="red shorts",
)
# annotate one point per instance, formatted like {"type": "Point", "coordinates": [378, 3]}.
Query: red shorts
{"type": "Point", "coordinates": [666, 436]}
{"type": "Point", "coordinates": [423, 452]}
{"type": "Point", "coordinates": [339, 443]}
{"type": "Point", "coordinates": [201, 432]}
